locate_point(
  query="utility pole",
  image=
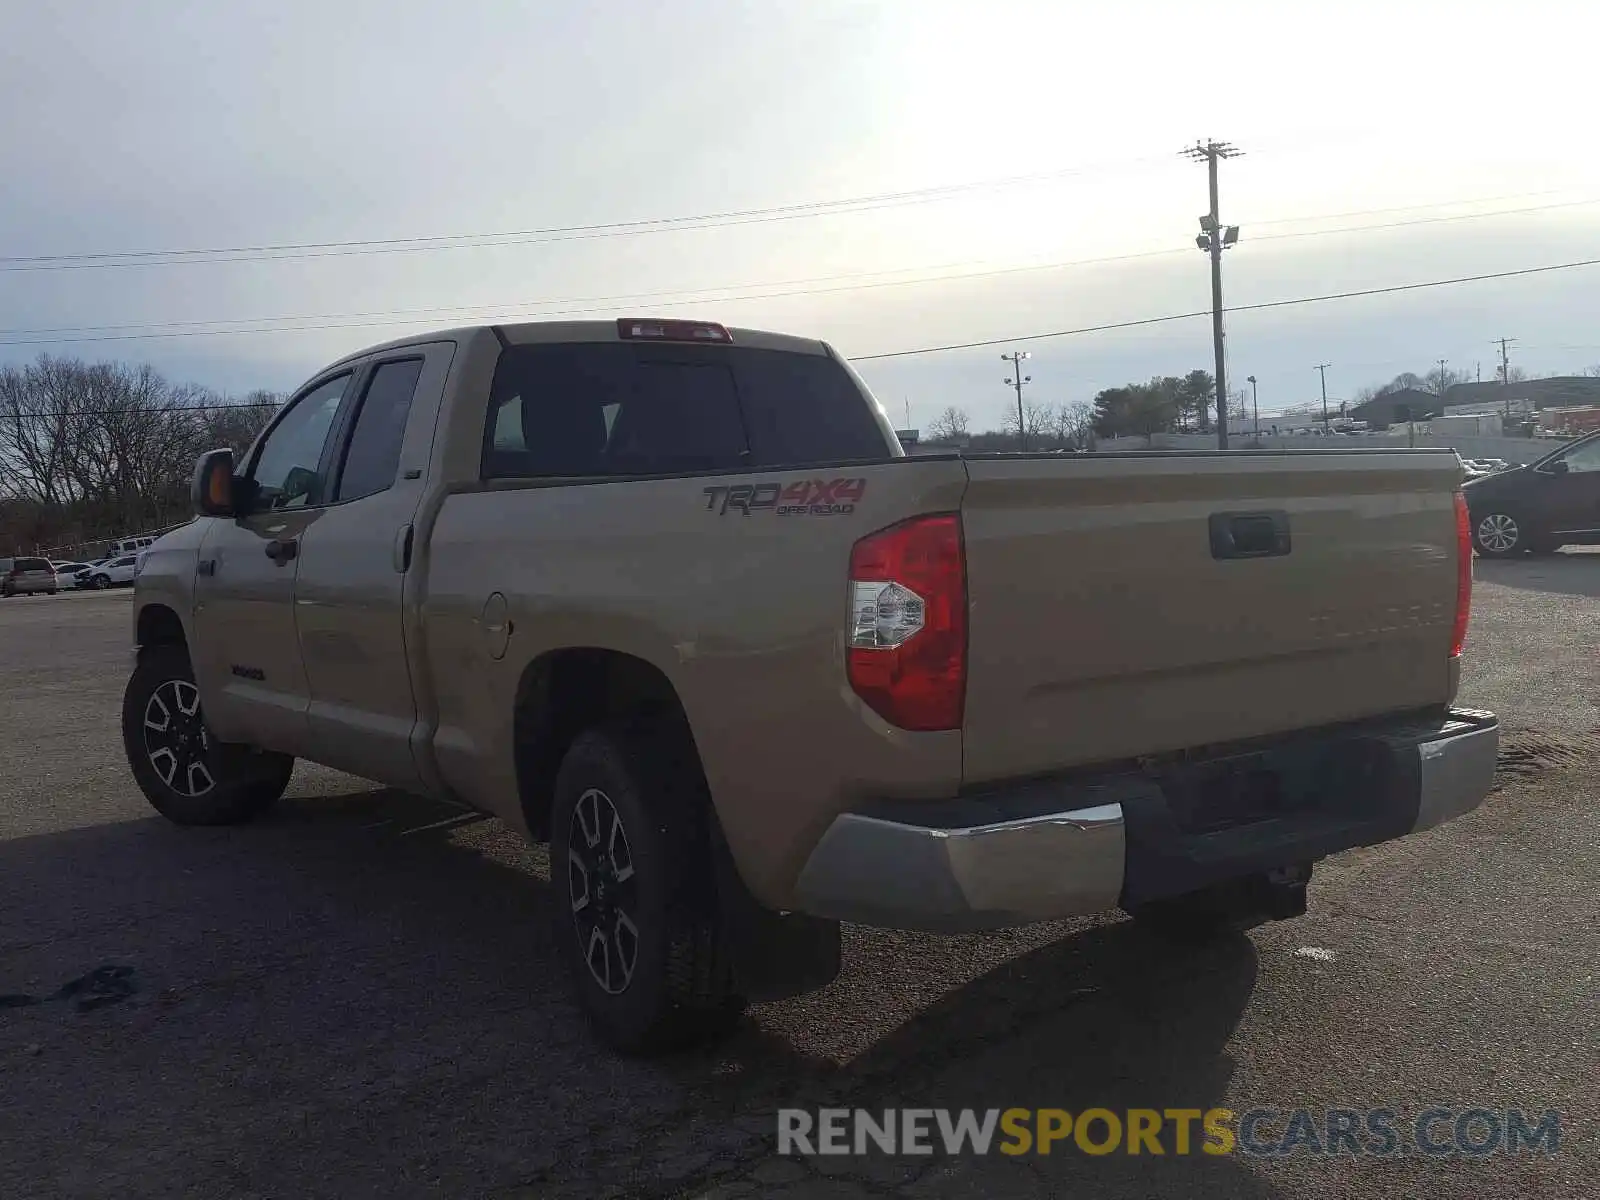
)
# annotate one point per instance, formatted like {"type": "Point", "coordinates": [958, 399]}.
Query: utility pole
{"type": "Point", "coordinates": [1213, 239]}
{"type": "Point", "coordinates": [1322, 369]}
{"type": "Point", "coordinates": [1016, 358]}
{"type": "Point", "coordinates": [1505, 375]}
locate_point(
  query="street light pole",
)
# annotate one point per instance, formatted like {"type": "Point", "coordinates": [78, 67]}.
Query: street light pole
{"type": "Point", "coordinates": [1322, 369]}
{"type": "Point", "coordinates": [1255, 403]}
{"type": "Point", "coordinates": [1016, 358]}
{"type": "Point", "coordinates": [1213, 239]}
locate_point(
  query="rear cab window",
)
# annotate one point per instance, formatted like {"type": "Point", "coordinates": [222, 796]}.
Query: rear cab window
{"type": "Point", "coordinates": [604, 409]}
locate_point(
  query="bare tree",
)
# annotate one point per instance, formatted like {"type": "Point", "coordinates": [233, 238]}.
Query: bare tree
{"type": "Point", "coordinates": [1441, 379]}
{"type": "Point", "coordinates": [950, 425]}
{"type": "Point", "coordinates": [91, 451]}
{"type": "Point", "coordinates": [1036, 420]}
{"type": "Point", "coordinates": [1073, 423]}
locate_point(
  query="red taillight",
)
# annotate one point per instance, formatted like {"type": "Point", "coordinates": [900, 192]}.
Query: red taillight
{"type": "Point", "coordinates": [907, 641]}
{"type": "Point", "coordinates": [1463, 575]}
{"type": "Point", "coordinates": [672, 331]}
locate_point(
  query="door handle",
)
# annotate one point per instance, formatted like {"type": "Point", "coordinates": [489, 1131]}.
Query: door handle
{"type": "Point", "coordinates": [281, 550]}
{"type": "Point", "coordinates": [207, 566]}
{"type": "Point", "coordinates": [402, 549]}
{"type": "Point", "coordinates": [1250, 534]}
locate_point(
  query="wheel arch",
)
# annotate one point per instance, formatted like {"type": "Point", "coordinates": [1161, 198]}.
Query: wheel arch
{"type": "Point", "coordinates": [563, 692]}
{"type": "Point", "coordinates": [158, 624]}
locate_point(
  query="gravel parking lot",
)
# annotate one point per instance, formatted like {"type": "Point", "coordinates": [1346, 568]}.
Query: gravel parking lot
{"type": "Point", "coordinates": [355, 996]}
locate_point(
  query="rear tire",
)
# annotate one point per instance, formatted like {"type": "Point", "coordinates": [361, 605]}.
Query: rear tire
{"type": "Point", "coordinates": [187, 775]}
{"type": "Point", "coordinates": [634, 900]}
{"type": "Point", "coordinates": [1498, 534]}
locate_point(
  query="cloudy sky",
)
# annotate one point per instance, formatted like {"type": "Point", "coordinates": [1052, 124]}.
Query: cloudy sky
{"type": "Point", "coordinates": [907, 175]}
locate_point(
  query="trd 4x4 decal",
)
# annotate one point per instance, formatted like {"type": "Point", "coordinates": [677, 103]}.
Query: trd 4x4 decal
{"type": "Point", "coordinates": [808, 497]}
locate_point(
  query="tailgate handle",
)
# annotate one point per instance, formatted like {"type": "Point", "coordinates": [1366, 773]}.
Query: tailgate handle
{"type": "Point", "coordinates": [1250, 534]}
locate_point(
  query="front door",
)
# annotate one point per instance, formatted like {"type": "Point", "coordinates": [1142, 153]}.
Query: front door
{"type": "Point", "coordinates": [253, 683]}
{"type": "Point", "coordinates": [1573, 504]}
{"type": "Point", "coordinates": [355, 564]}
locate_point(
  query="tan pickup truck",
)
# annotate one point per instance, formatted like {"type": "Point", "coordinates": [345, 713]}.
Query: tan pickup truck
{"type": "Point", "coordinates": [670, 597]}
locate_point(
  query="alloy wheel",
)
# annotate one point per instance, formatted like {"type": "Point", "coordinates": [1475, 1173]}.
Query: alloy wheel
{"type": "Point", "coordinates": [175, 738]}
{"type": "Point", "coordinates": [602, 890]}
{"type": "Point", "coordinates": [1498, 533]}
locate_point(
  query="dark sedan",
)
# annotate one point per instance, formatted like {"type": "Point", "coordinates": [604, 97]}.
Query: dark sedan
{"type": "Point", "coordinates": [1540, 507]}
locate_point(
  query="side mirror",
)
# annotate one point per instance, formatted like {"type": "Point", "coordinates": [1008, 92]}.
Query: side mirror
{"type": "Point", "coordinates": [1559, 467]}
{"type": "Point", "coordinates": [211, 490]}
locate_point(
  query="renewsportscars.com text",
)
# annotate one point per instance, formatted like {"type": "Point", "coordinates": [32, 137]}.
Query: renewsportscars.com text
{"type": "Point", "coordinates": [1260, 1132]}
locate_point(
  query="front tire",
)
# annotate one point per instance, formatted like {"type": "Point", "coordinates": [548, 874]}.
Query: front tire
{"type": "Point", "coordinates": [1498, 534]}
{"type": "Point", "coordinates": [634, 901]}
{"type": "Point", "coordinates": [102, 582]}
{"type": "Point", "coordinates": [187, 775]}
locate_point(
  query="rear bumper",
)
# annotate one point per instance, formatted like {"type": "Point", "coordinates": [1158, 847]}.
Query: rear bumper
{"type": "Point", "coordinates": [1051, 849]}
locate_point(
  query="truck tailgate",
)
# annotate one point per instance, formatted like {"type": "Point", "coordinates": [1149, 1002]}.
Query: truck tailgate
{"type": "Point", "coordinates": [1127, 606]}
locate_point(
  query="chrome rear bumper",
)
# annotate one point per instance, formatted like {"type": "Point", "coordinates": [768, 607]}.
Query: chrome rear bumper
{"type": "Point", "coordinates": [1012, 857]}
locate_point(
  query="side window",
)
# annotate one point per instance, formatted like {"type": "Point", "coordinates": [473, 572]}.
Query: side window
{"type": "Point", "coordinates": [373, 454]}
{"type": "Point", "coordinates": [1584, 458]}
{"type": "Point", "coordinates": [601, 409]}
{"type": "Point", "coordinates": [287, 468]}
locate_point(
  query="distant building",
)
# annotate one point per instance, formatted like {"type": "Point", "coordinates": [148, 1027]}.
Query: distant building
{"type": "Point", "coordinates": [1397, 407]}
{"type": "Point", "coordinates": [1573, 421]}
{"type": "Point", "coordinates": [1556, 391]}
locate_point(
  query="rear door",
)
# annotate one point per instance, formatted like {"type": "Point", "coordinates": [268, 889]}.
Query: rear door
{"type": "Point", "coordinates": [252, 680]}
{"type": "Point", "coordinates": [354, 563]}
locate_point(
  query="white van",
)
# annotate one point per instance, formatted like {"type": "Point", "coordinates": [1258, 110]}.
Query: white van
{"type": "Point", "coordinates": [131, 545]}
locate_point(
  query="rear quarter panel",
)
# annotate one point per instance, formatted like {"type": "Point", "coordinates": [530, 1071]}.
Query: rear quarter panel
{"type": "Point", "coordinates": [742, 611]}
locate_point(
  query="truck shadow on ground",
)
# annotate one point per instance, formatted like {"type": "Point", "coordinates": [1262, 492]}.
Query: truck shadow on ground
{"type": "Point", "coordinates": [374, 999]}
{"type": "Point", "coordinates": [1563, 573]}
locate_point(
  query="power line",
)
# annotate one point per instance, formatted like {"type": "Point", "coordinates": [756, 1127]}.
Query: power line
{"type": "Point", "coordinates": [554, 233]}
{"type": "Point", "coordinates": [1504, 212]}
{"type": "Point", "coordinates": [360, 320]}
{"type": "Point", "coordinates": [1379, 291]}
{"type": "Point", "coordinates": [291, 323]}
{"type": "Point", "coordinates": [290, 251]}
{"type": "Point", "coordinates": [1373, 212]}
{"type": "Point", "coordinates": [1036, 337]}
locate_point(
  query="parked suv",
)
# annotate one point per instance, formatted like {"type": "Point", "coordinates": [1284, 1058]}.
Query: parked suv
{"type": "Point", "coordinates": [22, 575]}
{"type": "Point", "coordinates": [1541, 507]}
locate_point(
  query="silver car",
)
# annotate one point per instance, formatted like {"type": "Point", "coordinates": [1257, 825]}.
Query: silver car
{"type": "Point", "coordinates": [20, 576]}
